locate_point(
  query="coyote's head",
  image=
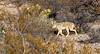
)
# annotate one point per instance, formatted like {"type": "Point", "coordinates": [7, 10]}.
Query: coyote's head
{"type": "Point", "coordinates": [54, 26]}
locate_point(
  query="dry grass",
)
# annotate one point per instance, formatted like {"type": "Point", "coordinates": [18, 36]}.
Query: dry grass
{"type": "Point", "coordinates": [86, 49]}
{"type": "Point", "coordinates": [38, 45]}
{"type": "Point", "coordinates": [14, 43]}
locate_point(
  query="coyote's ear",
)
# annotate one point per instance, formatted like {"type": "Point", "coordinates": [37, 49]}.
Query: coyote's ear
{"type": "Point", "coordinates": [77, 27]}
{"type": "Point", "coordinates": [53, 22]}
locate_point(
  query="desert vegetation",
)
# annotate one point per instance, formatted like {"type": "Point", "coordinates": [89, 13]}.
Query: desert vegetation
{"type": "Point", "coordinates": [26, 26]}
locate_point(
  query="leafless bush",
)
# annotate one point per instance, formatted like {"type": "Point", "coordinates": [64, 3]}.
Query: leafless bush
{"type": "Point", "coordinates": [33, 19]}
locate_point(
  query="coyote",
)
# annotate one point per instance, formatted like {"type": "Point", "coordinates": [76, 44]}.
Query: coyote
{"type": "Point", "coordinates": [64, 25]}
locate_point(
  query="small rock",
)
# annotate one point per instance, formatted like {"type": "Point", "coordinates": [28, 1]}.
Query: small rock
{"type": "Point", "coordinates": [83, 37]}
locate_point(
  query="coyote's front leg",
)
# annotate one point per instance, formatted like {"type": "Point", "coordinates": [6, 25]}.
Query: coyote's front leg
{"type": "Point", "coordinates": [67, 32]}
{"type": "Point", "coordinates": [60, 32]}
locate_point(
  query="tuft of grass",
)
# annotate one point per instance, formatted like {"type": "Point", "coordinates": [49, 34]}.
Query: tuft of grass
{"type": "Point", "coordinates": [98, 50]}
{"type": "Point", "coordinates": [86, 49]}
{"type": "Point", "coordinates": [13, 43]}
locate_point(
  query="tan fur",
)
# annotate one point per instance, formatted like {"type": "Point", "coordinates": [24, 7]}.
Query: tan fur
{"type": "Point", "coordinates": [65, 25]}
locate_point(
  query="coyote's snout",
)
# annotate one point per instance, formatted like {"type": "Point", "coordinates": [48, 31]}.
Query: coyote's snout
{"type": "Point", "coordinates": [69, 26]}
